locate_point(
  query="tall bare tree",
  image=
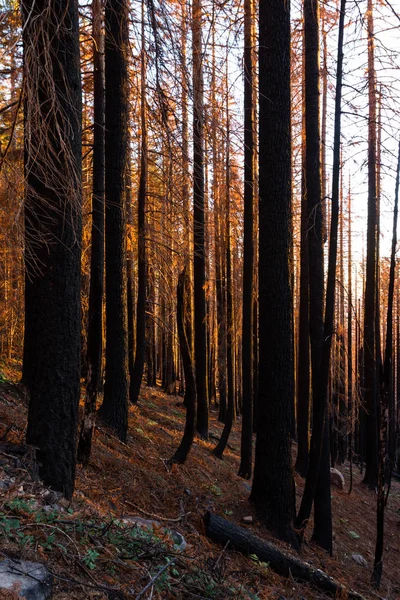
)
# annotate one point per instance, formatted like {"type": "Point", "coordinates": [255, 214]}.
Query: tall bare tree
{"type": "Point", "coordinates": [114, 410]}
{"type": "Point", "coordinates": [273, 489]}
{"type": "Point", "coordinates": [53, 216]}
{"type": "Point", "coordinates": [95, 325]}
{"type": "Point", "coordinates": [245, 468]}
{"type": "Point", "coordinates": [199, 260]}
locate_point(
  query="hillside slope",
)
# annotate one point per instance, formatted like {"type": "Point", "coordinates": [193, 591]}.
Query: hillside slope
{"type": "Point", "coordinates": [93, 555]}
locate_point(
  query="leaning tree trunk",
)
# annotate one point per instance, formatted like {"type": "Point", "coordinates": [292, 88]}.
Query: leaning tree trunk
{"type": "Point", "coordinates": [114, 410]}
{"type": "Point", "coordinates": [95, 327]}
{"type": "Point", "coordinates": [53, 218]}
{"type": "Point", "coordinates": [183, 303]}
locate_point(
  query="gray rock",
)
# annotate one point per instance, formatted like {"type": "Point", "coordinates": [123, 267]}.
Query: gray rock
{"type": "Point", "coordinates": [359, 559]}
{"type": "Point", "coordinates": [31, 581]}
{"type": "Point", "coordinates": [52, 497]}
{"type": "Point", "coordinates": [248, 519]}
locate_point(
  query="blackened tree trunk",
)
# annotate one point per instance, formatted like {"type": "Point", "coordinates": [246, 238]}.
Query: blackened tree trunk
{"type": "Point", "coordinates": [230, 414]}
{"type": "Point", "coordinates": [183, 302]}
{"type": "Point", "coordinates": [53, 214]}
{"type": "Point", "coordinates": [350, 378]}
{"type": "Point", "coordinates": [130, 270]}
{"type": "Point", "coordinates": [315, 255]}
{"type": "Point", "coordinates": [317, 485]}
{"type": "Point", "coordinates": [140, 354]}
{"type": "Point", "coordinates": [303, 362]}
{"type": "Point", "coordinates": [199, 263]}
{"type": "Point", "coordinates": [114, 410]}
{"type": "Point", "coordinates": [386, 400]}
{"type": "Point", "coordinates": [255, 362]}
{"type": "Point", "coordinates": [273, 490]}
{"type": "Point", "coordinates": [397, 403]}
{"type": "Point", "coordinates": [370, 369]}
{"type": "Point", "coordinates": [95, 316]}
{"type": "Point", "coordinates": [246, 453]}
{"type": "Point", "coordinates": [150, 329]}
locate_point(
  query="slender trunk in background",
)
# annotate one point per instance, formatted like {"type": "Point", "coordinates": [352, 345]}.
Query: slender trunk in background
{"type": "Point", "coordinates": [303, 363]}
{"type": "Point", "coordinates": [200, 336]}
{"type": "Point", "coordinates": [53, 234]}
{"type": "Point", "coordinates": [370, 358]}
{"type": "Point", "coordinates": [114, 410]}
{"type": "Point", "coordinates": [273, 490]}
{"type": "Point", "coordinates": [185, 174]}
{"type": "Point", "coordinates": [386, 401]}
{"type": "Point", "coordinates": [150, 328]}
{"type": "Point", "coordinates": [324, 77]}
{"type": "Point", "coordinates": [379, 357]}
{"type": "Point", "coordinates": [341, 365]}
{"type": "Point", "coordinates": [130, 269]}
{"type": "Point", "coordinates": [246, 453]}
{"type": "Point", "coordinates": [397, 433]}
{"type": "Point", "coordinates": [219, 449]}
{"type": "Point", "coordinates": [136, 379]}
{"type": "Point", "coordinates": [95, 316]}
{"type": "Point", "coordinates": [350, 318]}
{"type": "Point", "coordinates": [392, 390]}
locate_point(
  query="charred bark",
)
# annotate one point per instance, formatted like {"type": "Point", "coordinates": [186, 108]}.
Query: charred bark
{"type": "Point", "coordinates": [183, 303]}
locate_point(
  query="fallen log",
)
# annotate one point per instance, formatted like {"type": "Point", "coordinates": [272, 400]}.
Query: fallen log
{"type": "Point", "coordinates": [222, 531]}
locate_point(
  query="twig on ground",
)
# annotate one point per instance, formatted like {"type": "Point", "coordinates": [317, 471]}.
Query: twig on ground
{"type": "Point", "coordinates": [154, 579]}
{"type": "Point", "coordinates": [97, 586]}
{"type": "Point", "coordinates": [154, 515]}
{"type": "Point", "coordinates": [221, 554]}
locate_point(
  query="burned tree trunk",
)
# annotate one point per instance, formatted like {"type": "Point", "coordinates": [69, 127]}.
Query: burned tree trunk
{"type": "Point", "coordinates": [95, 328]}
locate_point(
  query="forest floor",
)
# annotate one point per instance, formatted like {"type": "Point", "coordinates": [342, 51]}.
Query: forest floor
{"type": "Point", "coordinates": [93, 554]}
